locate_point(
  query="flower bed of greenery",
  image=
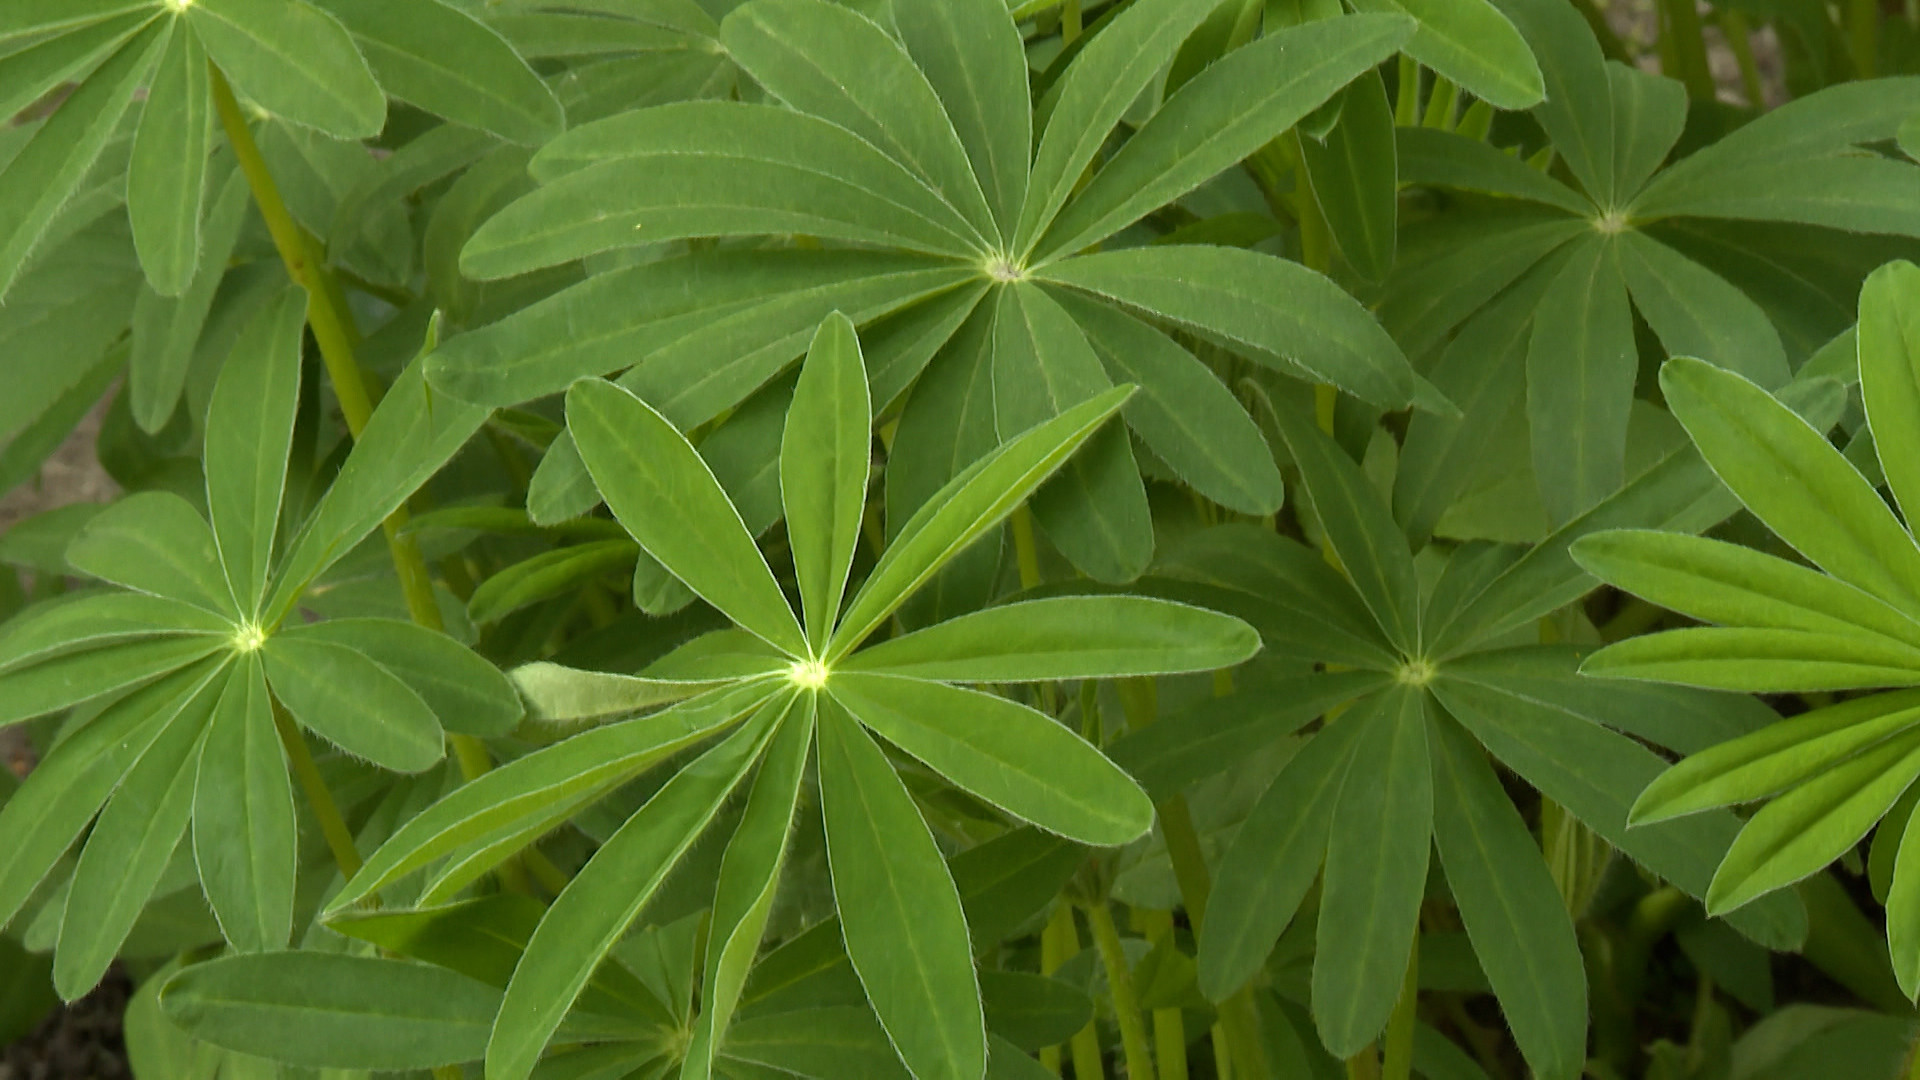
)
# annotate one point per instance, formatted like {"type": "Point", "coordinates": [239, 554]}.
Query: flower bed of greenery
{"type": "Point", "coordinates": [939, 538]}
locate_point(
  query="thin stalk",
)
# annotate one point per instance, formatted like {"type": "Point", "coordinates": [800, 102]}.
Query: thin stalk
{"type": "Point", "coordinates": [1682, 40]}
{"type": "Point", "coordinates": [1739, 35]}
{"type": "Point", "coordinates": [1442, 104]}
{"type": "Point", "coordinates": [332, 826]}
{"type": "Point", "coordinates": [1406, 103]}
{"type": "Point", "coordinates": [1398, 1045]}
{"type": "Point", "coordinates": [1169, 1024]}
{"type": "Point", "coordinates": [1364, 1065]}
{"type": "Point", "coordinates": [1222, 1055]}
{"type": "Point", "coordinates": [1126, 1003]}
{"type": "Point", "coordinates": [1054, 952]}
{"type": "Point", "coordinates": [1863, 36]}
{"type": "Point", "coordinates": [1610, 43]}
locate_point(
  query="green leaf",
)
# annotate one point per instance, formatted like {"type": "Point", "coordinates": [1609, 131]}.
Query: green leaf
{"type": "Point", "coordinates": [817, 1043]}
{"type": "Point", "coordinates": [1649, 113]}
{"type": "Point", "coordinates": [410, 435]}
{"type": "Point", "coordinates": [970, 504]}
{"type": "Point", "coordinates": [57, 683]}
{"type": "Point", "coordinates": [1377, 849]}
{"type": "Point", "coordinates": [1065, 637]}
{"type": "Point", "coordinates": [900, 913]}
{"type": "Point", "coordinates": [593, 912]}
{"type": "Point", "coordinates": [352, 702]}
{"type": "Point", "coordinates": [64, 792]}
{"type": "Point", "coordinates": [154, 542]}
{"type": "Point", "coordinates": [1803, 830]}
{"type": "Point", "coordinates": [521, 796]}
{"type": "Point", "coordinates": [166, 330]}
{"type": "Point", "coordinates": [245, 843]}
{"type": "Point", "coordinates": [52, 18]}
{"type": "Point", "coordinates": [557, 694]}
{"type": "Point", "coordinates": [168, 165]}
{"type": "Point", "coordinates": [249, 431]}
{"type": "Point", "coordinates": [1450, 159]}
{"type": "Point", "coordinates": [1696, 313]}
{"type": "Point", "coordinates": [1276, 312]}
{"type": "Point", "coordinates": [130, 846]}
{"type": "Point", "coordinates": [1018, 759]}
{"type": "Point", "coordinates": [1890, 377]}
{"type": "Point", "coordinates": [1794, 481]}
{"type": "Point", "coordinates": [1182, 412]}
{"type": "Point", "coordinates": [1902, 904]}
{"type": "Point", "coordinates": [1718, 582]}
{"type": "Point", "coordinates": [971, 54]}
{"type": "Point", "coordinates": [1513, 911]}
{"type": "Point", "coordinates": [1360, 530]}
{"type": "Point", "coordinates": [295, 60]}
{"type": "Point", "coordinates": [27, 74]}
{"type": "Point", "coordinates": [749, 878]}
{"type": "Point", "coordinates": [1042, 364]}
{"type": "Point", "coordinates": [326, 1011]}
{"type": "Point", "coordinates": [434, 55]}
{"type": "Point", "coordinates": [824, 455]}
{"type": "Point", "coordinates": [711, 168]}
{"type": "Point", "coordinates": [97, 620]}
{"type": "Point", "coordinates": [1577, 113]}
{"type": "Point", "coordinates": [1775, 758]}
{"type": "Point", "coordinates": [562, 571]}
{"type": "Point", "coordinates": [1470, 42]}
{"type": "Point", "coordinates": [1581, 364]}
{"type": "Point", "coordinates": [43, 175]}
{"type": "Point", "coordinates": [1104, 78]}
{"type": "Point", "coordinates": [663, 493]}
{"type": "Point", "coordinates": [469, 695]}
{"type": "Point", "coordinates": [835, 63]}
{"type": "Point", "coordinates": [1354, 177]}
{"type": "Point", "coordinates": [1274, 858]}
{"type": "Point", "coordinates": [1218, 118]}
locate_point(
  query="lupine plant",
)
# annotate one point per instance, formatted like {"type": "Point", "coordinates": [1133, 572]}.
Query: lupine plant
{"type": "Point", "coordinates": [737, 539]}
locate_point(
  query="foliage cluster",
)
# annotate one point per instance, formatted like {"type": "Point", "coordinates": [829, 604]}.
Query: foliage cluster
{"type": "Point", "coordinates": [957, 539]}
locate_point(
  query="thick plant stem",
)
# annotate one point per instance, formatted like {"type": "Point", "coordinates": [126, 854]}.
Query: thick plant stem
{"type": "Point", "coordinates": [1397, 1055]}
{"type": "Point", "coordinates": [333, 331]}
{"type": "Point", "coordinates": [1126, 1003]}
{"type": "Point", "coordinates": [332, 826]}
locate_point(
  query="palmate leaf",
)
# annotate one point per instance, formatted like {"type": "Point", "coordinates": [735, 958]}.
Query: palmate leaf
{"type": "Point", "coordinates": [294, 59]}
{"type": "Point", "coordinates": [824, 457]}
{"type": "Point", "coordinates": [168, 165]}
{"type": "Point", "coordinates": [973, 58]}
{"type": "Point", "coordinates": [249, 431]}
{"type": "Point", "coordinates": [1473, 44]}
{"type": "Point", "coordinates": [1890, 377]}
{"type": "Point", "coordinates": [244, 840]}
{"type": "Point", "coordinates": [1581, 363]}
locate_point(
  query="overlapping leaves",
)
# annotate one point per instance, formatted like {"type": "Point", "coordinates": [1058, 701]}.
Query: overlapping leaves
{"type": "Point", "coordinates": [782, 683]}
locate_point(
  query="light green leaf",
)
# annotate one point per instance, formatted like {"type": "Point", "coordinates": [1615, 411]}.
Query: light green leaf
{"type": "Point", "coordinates": [410, 435]}
{"type": "Point", "coordinates": [1275, 311]}
{"type": "Point", "coordinates": [64, 792]}
{"type": "Point", "coordinates": [1890, 376]}
{"type": "Point", "coordinates": [973, 57]}
{"type": "Point", "coordinates": [295, 60]}
{"type": "Point", "coordinates": [970, 504]}
{"type": "Point", "coordinates": [49, 18]}
{"type": "Point", "coordinates": [154, 542]}
{"type": "Point", "coordinates": [1354, 177]}
{"type": "Point", "coordinates": [352, 702]}
{"type": "Point", "coordinates": [1042, 364]}
{"type": "Point", "coordinates": [559, 572]}
{"type": "Point", "coordinates": [900, 913]}
{"type": "Point", "coordinates": [327, 1011]}
{"type": "Point", "coordinates": [521, 795]}
{"type": "Point", "coordinates": [438, 57]}
{"type": "Point", "coordinates": [1065, 637]}
{"type": "Point", "coordinates": [1696, 313]}
{"type": "Point", "coordinates": [1803, 830]}
{"type": "Point", "coordinates": [1794, 481]}
{"type": "Point", "coordinates": [659, 488]}
{"type": "Point", "coordinates": [593, 912]}
{"type": "Point", "coordinates": [1762, 660]}
{"type": "Point", "coordinates": [1855, 194]}
{"type": "Point", "coordinates": [244, 838]}
{"type": "Point", "coordinates": [711, 168]}
{"type": "Point", "coordinates": [815, 1043]}
{"type": "Point", "coordinates": [1513, 912]}
{"type": "Point", "coordinates": [1359, 529]}
{"type": "Point", "coordinates": [97, 620]}
{"type": "Point", "coordinates": [1096, 89]}
{"type": "Point", "coordinates": [1235, 106]}
{"type": "Point", "coordinates": [249, 431]}
{"type": "Point", "coordinates": [835, 63]}
{"type": "Point", "coordinates": [1718, 582]}
{"type": "Point", "coordinates": [824, 455]}
{"type": "Point", "coordinates": [468, 695]}
{"type": "Point", "coordinates": [1775, 758]}
{"type": "Point", "coordinates": [1470, 42]}
{"type": "Point", "coordinates": [1903, 905]}
{"type": "Point", "coordinates": [1377, 848]}
{"type": "Point", "coordinates": [1275, 856]}
{"type": "Point", "coordinates": [166, 330]}
{"type": "Point", "coordinates": [27, 74]}
{"type": "Point", "coordinates": [556, 694]}
{"type": "Point", "coordinates": [1578, 111]}
{"type": "Point", "coordinates": [50, 685]}
{"type": "Point", "coordinates": [168, 165]}
{"type": "Point", "coordinates": [1182, 412]}
{"type": "Point", "coordinates": [1581, 364]}
{"type": "Point", "coordinates": [749, 878]}
{"type": "Point", "coordinates": [1018, 759]}
{"type": "Point", "coordinates": [44, 173]}
{"type": "Point", "coordinates": [1096, 512]}
{"type": "Point", "coordinates": [130, 846]}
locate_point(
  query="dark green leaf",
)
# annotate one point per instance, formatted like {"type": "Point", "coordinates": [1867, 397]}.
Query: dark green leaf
{"type": "Point", "coordinates": [295, 60]}
{"type": "Point", "coordinates": [168, 166]}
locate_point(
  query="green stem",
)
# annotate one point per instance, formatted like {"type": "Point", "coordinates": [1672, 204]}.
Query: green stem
{"type": "Point", "coordinates": [1739, 36]}
{"type": "Point", "coordinates": [1442, 104]}
{"type": "Point", "coordinates": [1126, 1004]}
{"type": "Point", "coordinates": [1169, 1024]}
{"type": "Point", "coordinates": [1682, 40]}
{"type": "Point", "coordinates": [1406, 103]}
{"type": "Point", "coordinates": [332, 826]}
{"type": "Point", "coordinates": [1398, 1045]}
{"type": "Point", "coordinates": [1610, 43]}
{"type": "Point", "coordinates": [1364, 1065]}
{"type": "Point", "coordinates": [1055, 951]}
{"type": "Point", "coordinates": [1863, 36]}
